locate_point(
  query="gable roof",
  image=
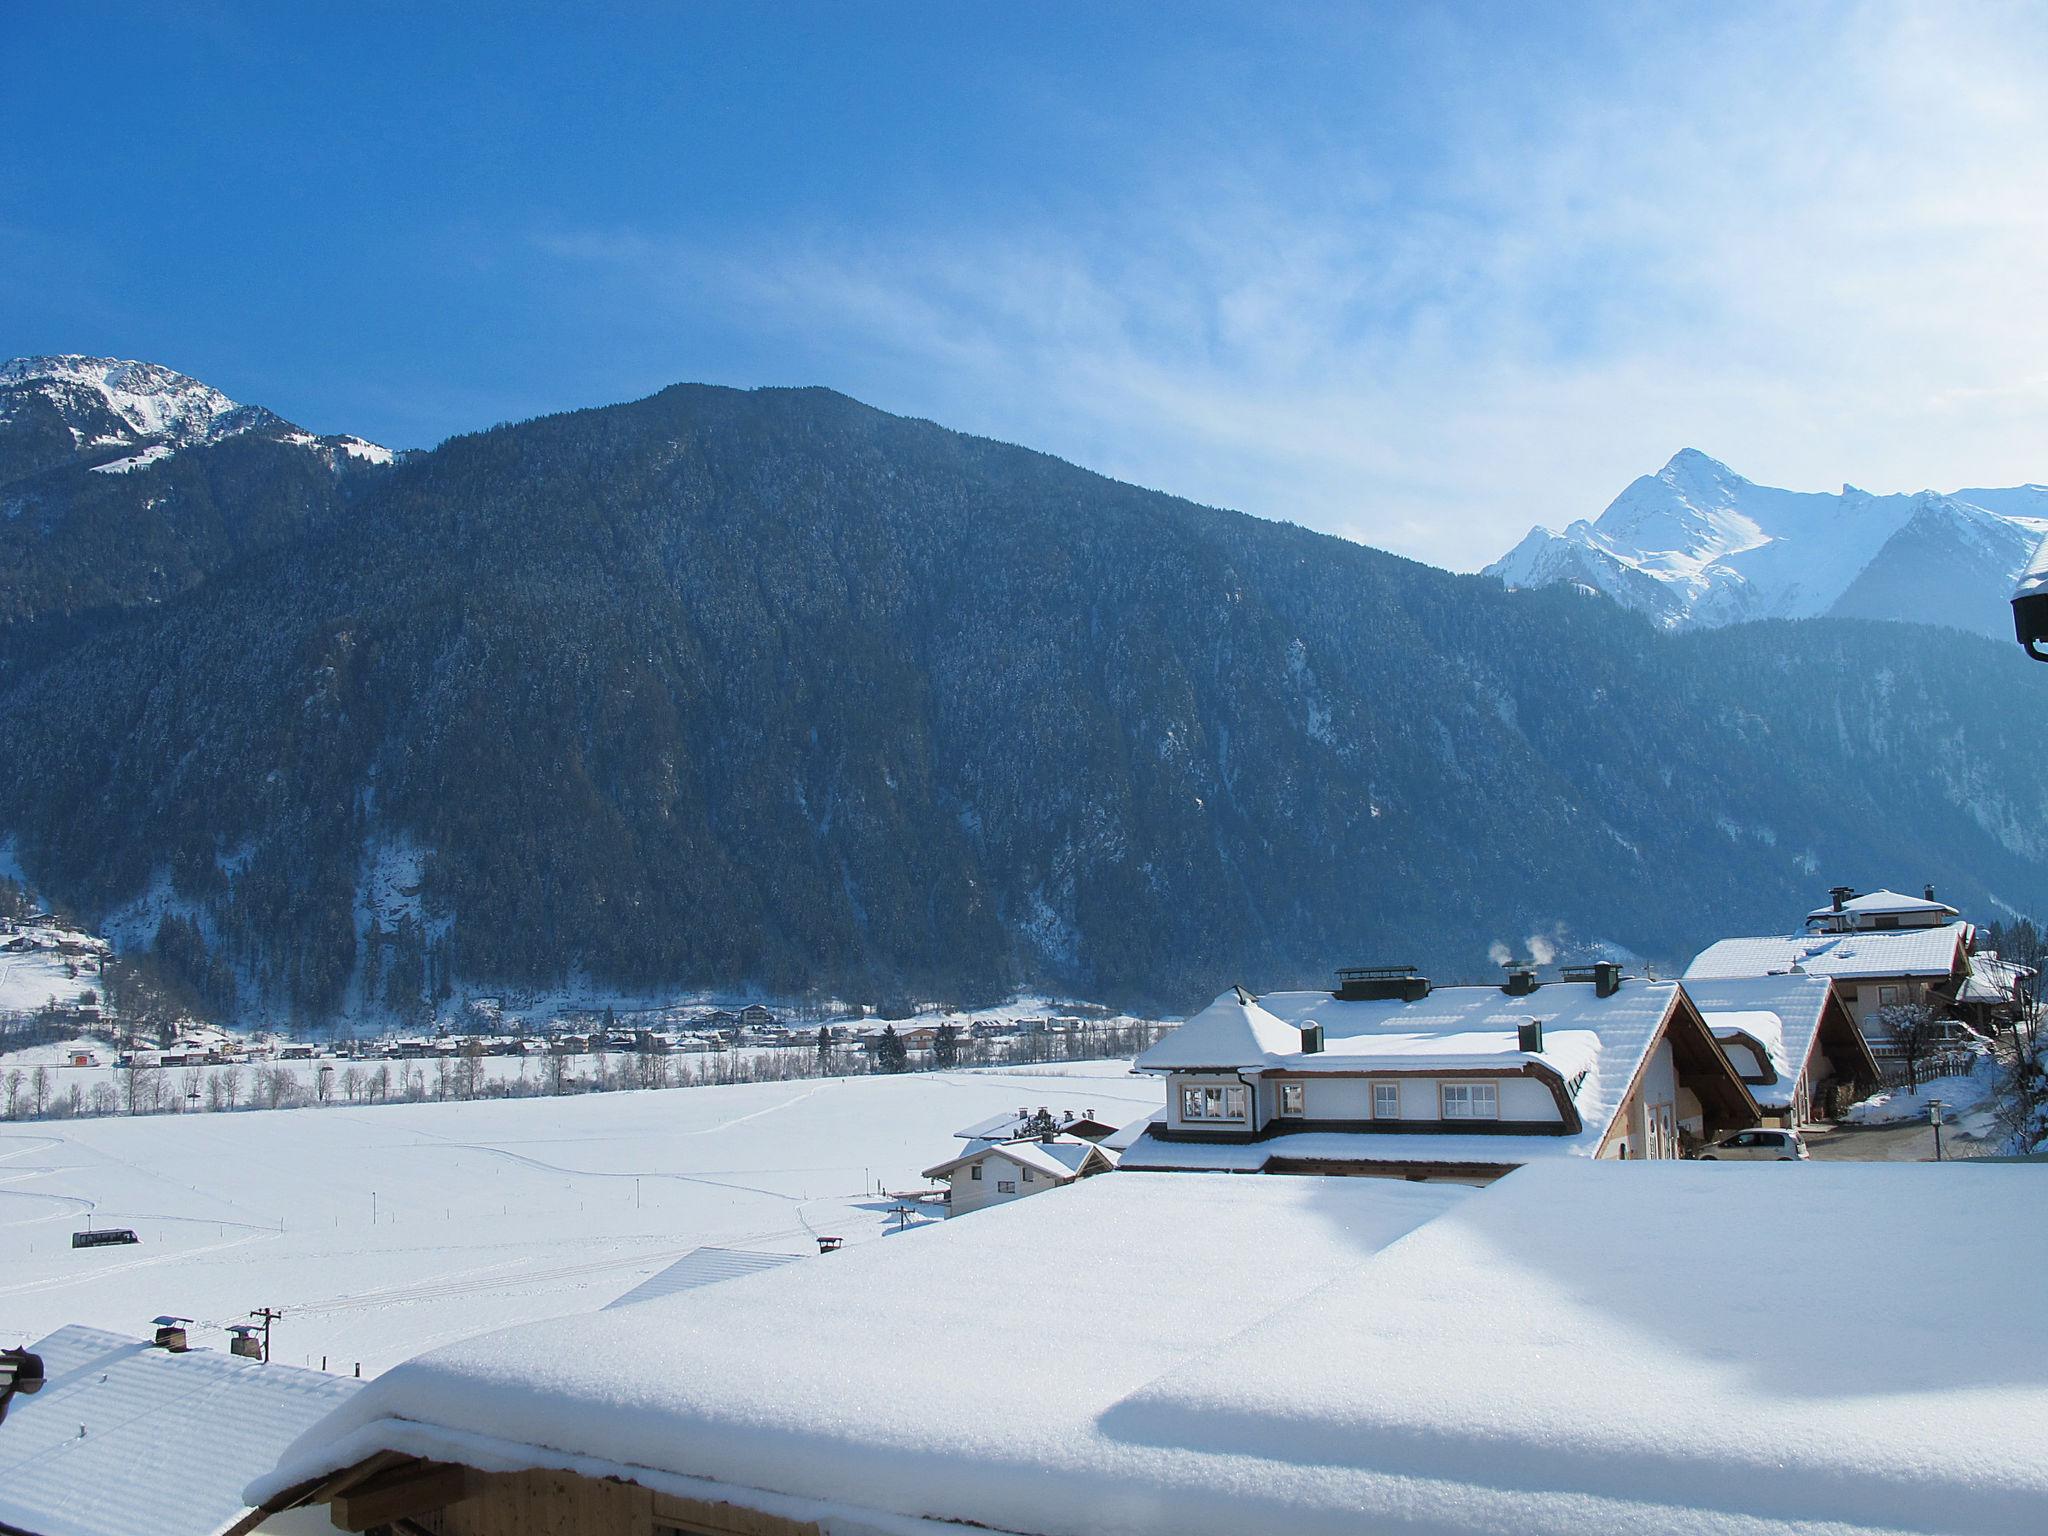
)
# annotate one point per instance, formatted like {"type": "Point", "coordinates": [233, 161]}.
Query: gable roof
{"type": "Point", "coordinates": [1785, 1015]}
{"type": "Point", "coordinates": [1866, 952]}
{"type": "Point", "coordinates": [169, 1440]}
{"type": "Point", "coordinates": [1062, 1158]}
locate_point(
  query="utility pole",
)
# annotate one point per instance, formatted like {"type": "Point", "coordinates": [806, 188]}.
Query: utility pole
{"type": "Point", "coordinates": [268, 1316]}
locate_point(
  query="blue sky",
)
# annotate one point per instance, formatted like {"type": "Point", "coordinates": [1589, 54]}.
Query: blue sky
{"type": "Point", "coordinates": [1416, 275]}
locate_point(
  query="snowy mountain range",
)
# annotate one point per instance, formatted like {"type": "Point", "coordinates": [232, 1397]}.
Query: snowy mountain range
{"type": "Point", "coordinates": [1697, 545]}
{"type": "Point", "coordinates": [772, 691]}
{"type": "Point", "coordinates": [116, 415]}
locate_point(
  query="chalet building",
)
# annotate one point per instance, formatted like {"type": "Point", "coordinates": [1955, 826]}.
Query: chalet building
{"type": "Point", "coordinates": [1879, 912]}
{"type": "Point", "coordinates": [1391, 1076]}
{"type": "Point", "coordinates": [1793, 1043]}
{"type": "Point", "coordinates": [997, 1172]}
{"type": "Point", "coordinates": [1872, 968]}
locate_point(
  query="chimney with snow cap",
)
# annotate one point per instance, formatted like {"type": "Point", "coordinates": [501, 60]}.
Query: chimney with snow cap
{"type": "Point", "coordinates": [1311, 1038]}
{"type": "Point", "coordinates": [1529, 1037]}
{"type": "Point", "coordinates": [1930, 893]}
{"type": "Point", "coordinates": [1521, 979]}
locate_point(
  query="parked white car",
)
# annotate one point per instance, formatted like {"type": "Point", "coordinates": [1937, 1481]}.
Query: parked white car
{"type": "Point", "coordinates": [1759, 1146]}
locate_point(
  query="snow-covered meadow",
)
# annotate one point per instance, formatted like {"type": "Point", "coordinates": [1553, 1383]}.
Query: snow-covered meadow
{"type": "Point", "coordinates": [384, 1230]}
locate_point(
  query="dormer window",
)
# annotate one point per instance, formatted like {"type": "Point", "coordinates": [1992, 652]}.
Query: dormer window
{"type": "Point", "coordinates": [1220, 1102]}
{"type": "Point", "coordinates": [1471, 1101]}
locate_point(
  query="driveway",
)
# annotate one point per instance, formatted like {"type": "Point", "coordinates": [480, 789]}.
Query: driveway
{"type": "Point", "coordinates": [1912, 1142]}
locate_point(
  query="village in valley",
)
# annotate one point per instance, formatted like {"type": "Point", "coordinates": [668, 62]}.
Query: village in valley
{"type": "Point", "coordinates": [346, 1351]}
{"type": "Point", "coordinates": [1260, 769]}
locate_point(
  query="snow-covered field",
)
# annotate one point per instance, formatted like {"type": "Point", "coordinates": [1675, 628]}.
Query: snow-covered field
{"type": "Point", "coordinates": [381, 1231]}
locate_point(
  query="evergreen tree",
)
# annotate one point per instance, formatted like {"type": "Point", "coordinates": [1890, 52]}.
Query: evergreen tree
{"type": "Point", "coordinates": [945, 1045]}
{"type": "Point", "coordinates": [890, 1054]}
{"type": "Point", "coordinates": [824, 1049]}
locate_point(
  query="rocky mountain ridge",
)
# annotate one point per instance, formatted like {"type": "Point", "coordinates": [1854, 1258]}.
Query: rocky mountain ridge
{"type": "Point", "coordinates": [1697, 545]}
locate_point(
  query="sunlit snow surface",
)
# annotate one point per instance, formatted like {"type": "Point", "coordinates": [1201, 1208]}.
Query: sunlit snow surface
{"type": "Point", "coordinates": [1581, 1348]}
{"type": "Point", "coordinates": [486, 1213]}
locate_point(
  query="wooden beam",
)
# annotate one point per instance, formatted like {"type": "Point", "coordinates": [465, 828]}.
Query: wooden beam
{"type": "Point", "coordinates": [413, 1489]}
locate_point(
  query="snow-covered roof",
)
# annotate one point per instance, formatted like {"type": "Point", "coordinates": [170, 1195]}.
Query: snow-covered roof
{"type": "Point", "coordinates": [2034, 579]}
{"type": "Point", "coordinates": [1886, 952]}
{"type": "Point", "coordinates": [1766, 1029]}
{"type": "Point", "coordinates": [1781, 1013]}
{"type": "Point", "coordinates": [1234, 1031]}
{"type": "Point", "coordinates": [701, 1267]}
{"type": "Point", "coordinates": [1451, 1029]}
{"type": "Point", "coordinates": [1060, 1158]}
{"type": "Point", "coordinates": [1019, 1122]}
{"type": "Point", "coordinates": [1992, 980]}
{"type": "Point", "coordinates": [168, 1443]}
{"type": "Point", "coordinates": [1872, 903]}
{"type": "Point", "coordinates": [1556, 1354]}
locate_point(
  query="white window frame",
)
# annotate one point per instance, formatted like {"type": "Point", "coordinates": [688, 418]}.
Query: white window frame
{"type": "Point", "coordinates": [1381, 1094]}
{"type": "Point", "coordinates": [1027, 1176]}
{"type": "Point", "coordinates": [1888, 997]}
{"type": "Point", "coordinates": [1225, 1102]}
{"type": "Point", "coordinates": [1294, 1100]}
{"type": "Point", "coordinates": [1473, 1096]}
{"type": "Point", "coordinates": [974, 1172]}
{"type": "Point", "coordinates": [1006, 1186]}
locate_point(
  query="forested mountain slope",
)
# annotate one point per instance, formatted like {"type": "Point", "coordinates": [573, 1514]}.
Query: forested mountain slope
{"type": "Point", "coordinates": [774, 687]}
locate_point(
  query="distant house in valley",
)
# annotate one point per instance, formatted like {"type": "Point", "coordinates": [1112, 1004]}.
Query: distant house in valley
{"type": "Point", "coordinates": [1392, 1076]}
{"type": "Point", "coordinates": [994, 1172]}
{"type": "Point", "coordinates": [757, 1016]}
{"type": "Point", "coordinates": [127, 1437]}
{"type": "Point", "coordinates": [1792, 1041]}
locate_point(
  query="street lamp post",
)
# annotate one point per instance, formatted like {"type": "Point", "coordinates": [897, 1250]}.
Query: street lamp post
{"type": "Point", "coordinates": [1934, 1116]}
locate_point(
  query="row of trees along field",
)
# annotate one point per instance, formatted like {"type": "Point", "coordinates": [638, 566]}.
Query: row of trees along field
{"type": "Point", "coordinates": [43, 1092]}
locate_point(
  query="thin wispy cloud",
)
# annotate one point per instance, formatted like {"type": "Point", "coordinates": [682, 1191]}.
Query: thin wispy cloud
{"type": "Point", "coordinates": [1811, 251]}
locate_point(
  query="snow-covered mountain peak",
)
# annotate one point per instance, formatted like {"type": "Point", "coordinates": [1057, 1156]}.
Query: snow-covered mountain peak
{"type": "Point", "coordinates": [155, 403]}
{"type": "Point", "coordinates": [1698, 544]}
{"type": "Point", "coordinates": [123, 414]}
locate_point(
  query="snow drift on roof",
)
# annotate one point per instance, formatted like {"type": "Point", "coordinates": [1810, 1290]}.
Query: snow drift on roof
{"type": "Point", "coordinates": [1557, 1354]}
{"type": "Point", "coordinates": [776, 1382]}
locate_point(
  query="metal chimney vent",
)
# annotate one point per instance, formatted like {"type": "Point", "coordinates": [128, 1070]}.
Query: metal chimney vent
{"type": "Point", "coordinates": [1311, 1039]}
{"type": "Point", "coordinates": [1529, 1037]}
{"type": "Point", "coordinates": [1380, 984]}
{"type": "Point", "coordinates": [1521, 982]}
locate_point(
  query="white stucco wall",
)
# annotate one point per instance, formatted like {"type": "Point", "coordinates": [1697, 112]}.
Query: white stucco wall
{"type": "Point", "coordinates": [972, 1194]}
